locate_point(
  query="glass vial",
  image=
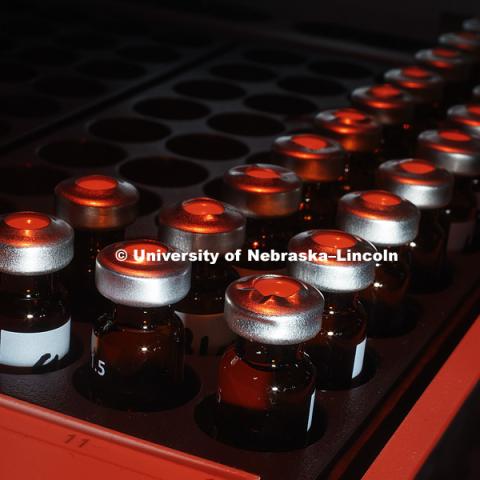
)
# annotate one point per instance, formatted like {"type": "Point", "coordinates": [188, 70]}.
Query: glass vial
{"type": "Point", "coordinates": [360, 135]}
{"type": "Point", "coordinates": [430, 189]}
{"type": "Point", "coordinates": [269, 196]}
{"type": "Point", "coordinates": [390, 223]}
{"type": "Point", "coordinates": [198, 225]}
{"type": "Point", "coordinates": [266, 384]}
{"type": "Point", "coordinates": [99, 208]}
{"type": "Point", "coordinates": [138, 346]}
{"type": "Point", "coordinates": [320, 163]}
{"type": "Point", "coordinates": [34, 308]}
{"type": "Point", "coordinates": [338, 350]}
{"type": "Point", "coordinates": [393, 109]}
{"type": "Point", "coordinates": [459, 153]}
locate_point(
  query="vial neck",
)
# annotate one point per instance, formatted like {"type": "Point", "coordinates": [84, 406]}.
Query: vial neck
{"type": "Point", "coordinates": [142, 318]}
{"type": "Point", "coordinates": [266, 356]}
{"type": "Point", "coordinates": [30, 286]}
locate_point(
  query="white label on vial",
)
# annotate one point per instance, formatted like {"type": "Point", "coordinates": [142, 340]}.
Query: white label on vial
{"type": "Point", "coordinates": [358, 361]}
{"type": "Point", "coordinates": [460, 235]}
{"type": "Point", "coordinates": [310, 412]}
{"type": "Point", "coordinates": [21, 349]}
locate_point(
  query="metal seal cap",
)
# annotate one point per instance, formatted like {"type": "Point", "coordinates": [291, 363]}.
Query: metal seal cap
{"type": "Point", "coordinates": [132, 273]}
{"type": "Point", "coordinates": [419, 181]}
{"type": "Point", "coordinates": [96, 202]}
{"type": "Point", "coordinates": [451, 64]}
{"type": "Point", "coordinates": [312, 157]}
{"type": "Point", "coordinates": [355, 130]}
{"type": "Point", "coordinates": [466, 117]}
{"type": "Point", "coordinates": [423, 85]}
{"type": "Point", "coordinates": [476, 94]}
{"type": "Point", "coordinates": [263, 190]}
{"type": "Point", "coordinates": [472, 24]}
{"type": "Point", "coordinates": [333, 274]}
{"type": "Point", "coordinates": [387, 103]}
{"type": "Point", "coordinates": [378, 216]}
{"type": "Point", "coordinates": [466, 42]}
{"type": "Point", "coordinates": [202, 223]}
{"type": "Point", "coordinates": [34, 243]}
{"type": "Point", "coordinates": [273, 309]}
{"type": "Point", "coordinates": [455, 150]}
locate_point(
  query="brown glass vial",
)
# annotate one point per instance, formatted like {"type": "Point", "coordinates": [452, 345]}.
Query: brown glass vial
{"type": "Point", "coordinates": [459, 153]}
{"type": "Point", "coordinates": [394, 110]}
{"type": "Point", "coordinates": [99, 208]}
{"type": "Point", "coordinates": [204, 225]}
{"type": "Point", "coordinates": [34, 310]}
{"type": "Point", "coordinates": [453, 66]}
{"type": "Point", "coordinates": [320, 163]}
{"type": "Point", "coordinates": [390, 223]}
{"type": "Point", "coordinates": [430, 189]}
{"type": "Point", "coordinates": [138, 346]}
{"type": "Point", "coordinates": [269, 196]}
{"type": "Point", "coordinates": [266, 384]}
{"type": "Point", "coordinates": [426, 89]}
{"type": "Point", "coordinates": [338, 350]}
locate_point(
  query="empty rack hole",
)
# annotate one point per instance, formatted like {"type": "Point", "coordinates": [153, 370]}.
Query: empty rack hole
{"type": "Point", "coordinates": [129, 129]}
{"type": "Point", "coordinates": [246, 124]}
{"type": "Point", "coordinates": [341, 69]}
{"type": "Point", "coordinates": [28, 106]}
{"type": "Point", "coordinates": [29, 180]}
{"type": "Point", "coordinates": [274, 57]}
{"type": "Point", "coordinates": [242, 72]}
{"type": "Point", "coordinates": [311, 86]}
{"type": "Point", "coordinates": [112, 69]}
{"type": "Point", "coordinates": [280, 104]}
{"type": "Point", "coordinates": [209, 89]}
{"type": "Point", "coordinates": [148, 53]}
{"type": "Point", "coordinates": [171, 108]}
{"type": "Point", "coordinates": [69, 86]}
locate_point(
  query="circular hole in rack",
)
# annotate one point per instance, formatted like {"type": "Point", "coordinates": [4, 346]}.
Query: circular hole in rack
{"type": "Point", "coordinates": [341, 69]}
{"type": "Point", "coordinates": [206, 146]}
{"type": "Point", "coordinates": [274, 57]}
{"type": "Point", "coordinates": [209, 89]}
{"type": "Point", "coordinates": [82, 153]}
{"type": "Point", "coordinates": [280, 104]}
{"type": "Point", "coordinates": [246, 124]}
{"type": "Point", "coordinates": [149, 202]}
{"type": "Point", "coordinates": [27, 106]}
{"type": "Point", "coordinates": [214, 188]}
{"type": "Point", "coordinates": [129, 129]}
{"type": "Point", "coordinates": [69, 86]}
{"type": "Point", "coordinates": [311, 86]}
{"type": "Point", "coordinates": [12, 72]}
{"type": "Point", "coordinates": [148, 53]}
{"type": "Point", "coordinates": [49, 56]}
{"type": "Point", "coordinates": [171, 108]}
{"type": "Point", "coordinates": [163, 172]}
{"type": "Point", "coordinates": [112, 69]}
{"type": "Point", "coordinates": [86, 41]}
{"type": "Point", "coordinates": [242, 72]}
{"type": "Point", "coordinates": [260, 157]}
{"type": "Point", "coordinates": [29, 180]}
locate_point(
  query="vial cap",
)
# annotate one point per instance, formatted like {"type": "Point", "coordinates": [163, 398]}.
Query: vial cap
{"type": "Point", "coordinates": [202, 223]}
{"type": "Point", "coordinates": [273, 309]}
{"type": "Point", "coordinates": [386, 102]}
{"type": "Point", "coordinates": [312, 157]}
{"type": "Point", "coordinates": [419, 181]}
{"type": "Point", "coordinates": [337, 273]}
{"type": "Point", "coordinates": [476, 94]}
{"type": "Point", "coordinates": [134, 273]}
{"type": "Point", "coordinates": [33, 243]}
{"type": "Point", "coordinates": [355, 130]}
{"type": "Point", "coordinates": [466, 42]}
{"type": "Point", "coordinates": [466, 117]}
{"type": "Point", "coordinates": [378, 216]}
{"type": "Point", "coordinates": [455, 150]}
{"type": "Point", "coordinates": [424, 86]}
{"type": "Point", "coordinates": [96, 202]}
{"type": "Point", "coordinates": [451, 64]}
{"type": "Point", "coordinates": [472, 24]}
{"type": "Point", "coordinates": [263, 190]}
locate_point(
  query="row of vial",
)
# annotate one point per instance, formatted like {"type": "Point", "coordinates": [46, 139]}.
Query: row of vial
{"type": "Point", "coordinates": [288, 337]}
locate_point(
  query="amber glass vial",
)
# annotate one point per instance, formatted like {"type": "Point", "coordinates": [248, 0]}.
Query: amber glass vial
{"type": "Point", "coordinates": [266, 385]}
{"type": "Point", "coordinates": [459, 153]}
{"type": "Point", "coordinates": [99, 208]}
{"type": "Point", "coordinates": [34, 310]}
{"type": "Point", "coordinates": [320, 163]}
{"type": "Point", "coordinates": [390, 223]}
{"type": "Point", "coordinates": [138, 346]}
{"type": "Point", "coordinates": [430, 189]}
{"type": "Point", "coordinates": [197, 225]}
{"type": "Point", "coordinates": [269, 196]}
{"type": "Point", "coordinates": [394, 110]}
{"type": "Point", "coordinates": [338, 351]}
{"type": "Point", "coordinates": [426, 89]}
